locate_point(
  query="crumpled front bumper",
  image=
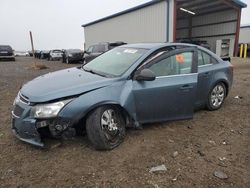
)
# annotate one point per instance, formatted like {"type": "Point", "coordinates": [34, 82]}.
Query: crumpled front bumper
{"type": "Point", "coordinates": [26, 131]}
{"type": "Point", "coordinates": [33, 130]}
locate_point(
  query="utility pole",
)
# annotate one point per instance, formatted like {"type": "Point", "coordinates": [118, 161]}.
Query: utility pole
{"type": "Point", "coordinates": [33, 51]}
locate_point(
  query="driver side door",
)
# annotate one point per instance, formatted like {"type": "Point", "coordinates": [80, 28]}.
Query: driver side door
{"type": "Point", "coordinates": [172, 94]}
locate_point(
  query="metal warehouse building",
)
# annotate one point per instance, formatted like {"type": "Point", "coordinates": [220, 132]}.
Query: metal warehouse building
{"type": "Point", "coordinates": [245, 34]}
{"type": "Point", "coordinates": [171, 21]}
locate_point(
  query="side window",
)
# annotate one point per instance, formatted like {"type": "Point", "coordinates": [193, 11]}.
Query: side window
{"type": "Point", "coordinates": [200, 58]}
{"type": "Point", "coordinates": [207, 59]}
{"type": "Point", "coordinates": [204, 58]}
{"type": "Point", "coordinates": [173, 65]}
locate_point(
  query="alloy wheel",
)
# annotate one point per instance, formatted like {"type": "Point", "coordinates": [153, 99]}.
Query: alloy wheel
{"type": "Point", "coordinates": [109, 124]}
{"type": "Point", "coordinates": [217, 96]}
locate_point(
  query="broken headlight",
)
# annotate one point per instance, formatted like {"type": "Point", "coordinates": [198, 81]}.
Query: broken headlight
{"type": "Point", "coordinates": [48, 110]}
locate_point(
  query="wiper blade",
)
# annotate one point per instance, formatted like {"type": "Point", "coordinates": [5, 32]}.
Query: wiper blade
{"type": "Point", "coordinates": [89, 70]}
{"type": "Point", "coordinates": [94, 72]}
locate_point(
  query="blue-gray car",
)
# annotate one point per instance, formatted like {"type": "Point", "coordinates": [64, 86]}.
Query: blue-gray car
{"type": "Point", "coordinates": [126, 87]}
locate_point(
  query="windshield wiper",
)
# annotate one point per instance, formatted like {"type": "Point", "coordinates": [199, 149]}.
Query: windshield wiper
{"type": "Point", "coordinates": [89, 70]}
{"type": "Point", "coordinates": [94, 72]}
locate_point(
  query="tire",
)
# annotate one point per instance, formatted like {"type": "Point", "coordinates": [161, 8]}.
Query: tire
{"type": "Point", "coordinates": [105, 128]}
{"type": "Point", "coordinates": [216, 97]}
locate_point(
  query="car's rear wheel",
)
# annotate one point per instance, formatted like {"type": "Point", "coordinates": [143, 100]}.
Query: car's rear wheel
{"type": "Point", "coordinates": [105, 127]}
{"type": "Point", "coordinates": [216, 97]}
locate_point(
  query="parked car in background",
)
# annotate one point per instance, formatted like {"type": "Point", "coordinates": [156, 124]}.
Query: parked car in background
{"type": "Point", "coordinates": [125, 87]}
{"type": "Point", "coordinates": [98, 49]}
{"type": "Point", "coordinates": [72, 56]}
{"type": "Point", "coordinates": [30, 53]}
{"type": "Point", "coordinates": [6, 53]}
{"type": "Point", "coordinates": [55, 55]}
{"type": "Point", "coordinates": [21, 53]}
{"type": "Point", "coordinates": [44, 54]}
{"type": "Point", "coordinates": [37, 54]}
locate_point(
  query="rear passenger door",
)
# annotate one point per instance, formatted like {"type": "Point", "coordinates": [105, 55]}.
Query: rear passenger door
{"type": "Point", "coordinates": [205, 76]}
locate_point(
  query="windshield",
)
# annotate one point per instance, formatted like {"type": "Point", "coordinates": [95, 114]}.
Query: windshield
{"type": "Point", "coordinates": [115, 62]}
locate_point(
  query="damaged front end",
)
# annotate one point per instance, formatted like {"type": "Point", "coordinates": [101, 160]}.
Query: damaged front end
{"type": "Point", "coordinates": [32, 122]}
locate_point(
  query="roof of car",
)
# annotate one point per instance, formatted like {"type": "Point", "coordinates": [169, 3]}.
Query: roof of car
{"type": "Point", "coordinates": [56, 50]}
{"type": "Point", "coordinates": [5, 46]}
{"type": "Point", "coordinates": [155, 45]}
{"type": "Point", "coordinates": [73, 50]}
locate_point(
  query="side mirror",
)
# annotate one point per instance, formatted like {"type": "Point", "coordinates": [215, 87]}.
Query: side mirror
{"type": "Point", "coordinates": [145, 75]}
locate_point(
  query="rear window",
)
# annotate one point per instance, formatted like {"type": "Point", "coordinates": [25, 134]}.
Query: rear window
{"type": "Point", "coordinates": [57, 51]}
{"type": "Point", "coordinates": [113, 45]}
{"type": "Point", "coordinates": [99, 49]}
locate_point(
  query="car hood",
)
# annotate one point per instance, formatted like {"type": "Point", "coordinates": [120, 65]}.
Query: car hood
{"type": "Point", "coordinates": [64, 83]}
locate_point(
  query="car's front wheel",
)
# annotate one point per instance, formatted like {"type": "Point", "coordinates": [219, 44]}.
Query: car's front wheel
{"type": "Point", "coordinates": [216, 97]}
{"type": "Point", "coordinates": [105, 127]}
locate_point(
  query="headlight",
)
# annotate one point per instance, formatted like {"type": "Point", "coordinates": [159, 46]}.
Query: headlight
{"type": "Point", "coordinates": [49, 110]}
{"type": "Point", "coordinates": [17, 99]}
{"type": "Point", "coordinates": [70, 55]}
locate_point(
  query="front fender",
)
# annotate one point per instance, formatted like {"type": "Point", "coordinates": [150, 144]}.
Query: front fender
{"type": "Point", "coordinates": [119, 94]}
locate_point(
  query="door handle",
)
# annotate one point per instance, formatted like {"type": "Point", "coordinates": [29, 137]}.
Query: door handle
{"type": "Point", "coordinates": [206, 74]}
{"type": "Point", "coordinates": [186, 87]}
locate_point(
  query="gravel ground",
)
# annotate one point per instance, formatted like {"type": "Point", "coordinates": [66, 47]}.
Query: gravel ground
{"type": "Point", "coordinates": [212, 141]}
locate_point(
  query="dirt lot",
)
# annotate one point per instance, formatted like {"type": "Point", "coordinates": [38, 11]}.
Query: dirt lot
{"type": "Point", "coordinates": [211, 141]}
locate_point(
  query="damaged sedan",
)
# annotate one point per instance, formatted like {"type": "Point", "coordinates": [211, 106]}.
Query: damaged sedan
{"type": "Point", "coordinates": [125, 87]}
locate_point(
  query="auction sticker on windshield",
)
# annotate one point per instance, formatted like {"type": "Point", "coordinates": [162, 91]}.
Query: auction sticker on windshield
{"type": "Point", "coordinates": [130, 51]}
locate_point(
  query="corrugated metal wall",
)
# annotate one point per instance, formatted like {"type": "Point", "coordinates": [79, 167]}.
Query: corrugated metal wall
{"type": "Point", "coordinates": [226, 30]}
{"type": "Point", "coordinates": [210, 27]}
{"type": "Point", "coordinates": [171, 25]}
{"type": "Point", "coordinates": [244, 35]}
{"type": "Point", "coordinates": [144, 25]}
{"type": "Point", "coordinates": [182, 30]}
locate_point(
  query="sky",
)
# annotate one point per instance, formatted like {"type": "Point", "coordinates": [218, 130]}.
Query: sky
{"type": "Point", "coordinates": [56, 24]}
